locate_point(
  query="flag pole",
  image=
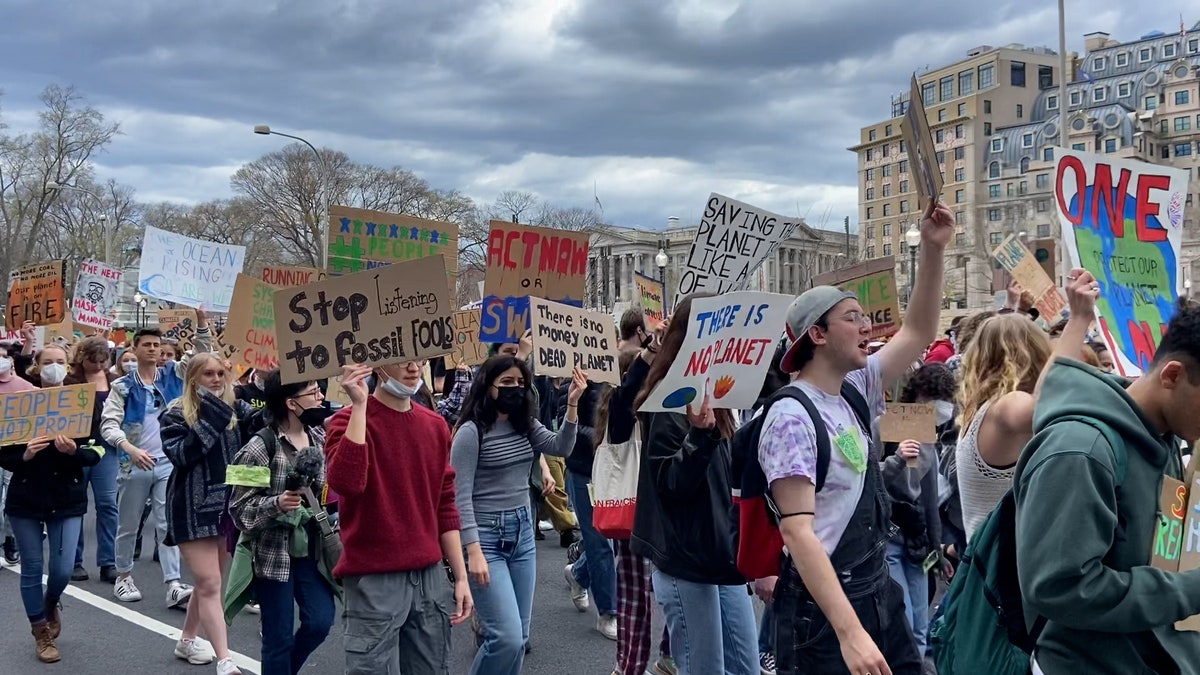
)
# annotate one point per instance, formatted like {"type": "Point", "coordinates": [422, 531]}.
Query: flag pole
{"type": "Point", "coordinates": [1062, 78]}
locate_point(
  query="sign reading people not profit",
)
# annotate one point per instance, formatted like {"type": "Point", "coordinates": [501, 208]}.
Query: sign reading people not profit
{"type": "Point", "coordinates": [1025, 270]}
{"type": "Point", "coordinates": [468, 350]}
{"type": "Point", "coordinates": [187, 271]}
{"type": "Point", "coordinates": [251, 325]}
{"type": "Point", "coordinates": [96, 290]}
{"type": "Point", "coordinates": [566, 338]}
{"type": "Point", "coordinates": [179, 326]}
{"type": "Point", "coordinates": [287, 277]}
{"type": "Point", "coordinates": [874, 284]}
{"type": "Point", "coordinates": [733, 240]}
{"type": "Point", "coordinates": [360, 240]}
{"type": "Point", "coordinates": [387, 315]}
{"type": "Point", "coordinates": [525, 261]}
{"type": "Point", "coordinates": [650, 292]}
{"type": "Point", "coordinates": [35, 293]}
{"type": "Point", "coordinates": [1122, 220]}
{"type": "Point", "coordinates": [727, 350]}
{"type": "Point", "coordinates": [54, 411]}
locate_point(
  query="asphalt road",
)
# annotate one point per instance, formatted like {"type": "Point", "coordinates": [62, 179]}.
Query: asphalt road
{"type": "Point", "coordinates": [102, 636]}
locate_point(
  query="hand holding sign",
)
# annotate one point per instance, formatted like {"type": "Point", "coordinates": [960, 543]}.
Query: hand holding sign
{"type": "Point", "coordinates": [938, 227]}
{"type": "Point", "coordinates": [579, 384]}
{"type": "Point", "coordinates": [705, 418]}
{"type": "Point", "coordinates": [354, 383]}
{"type": "Point", "coordinates": [910, 451]}
{"type": "Point", "coordinates": [1082, 291]}
{"type": "Point", "coordinates": [908, 423]}
{"type": "Point", "coordinates": [64, 445]}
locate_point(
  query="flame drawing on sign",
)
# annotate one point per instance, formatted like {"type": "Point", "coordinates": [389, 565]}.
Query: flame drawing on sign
{"type": "Point", "coordinates": [723, 386]}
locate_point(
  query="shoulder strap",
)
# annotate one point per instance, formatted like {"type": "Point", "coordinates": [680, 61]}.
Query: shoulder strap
{"type": "Point", "coordinates": [1120, 455]}
{"type": "Point", "coordinates": [819, 430]}
{"type": "Point", "coordinates": [267, 436]}
{"type": "Point", "coordinates": [859, 405]}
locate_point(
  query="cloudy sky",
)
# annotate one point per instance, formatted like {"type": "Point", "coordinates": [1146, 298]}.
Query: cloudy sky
{"type": "Point", "coordinates": [656, 103]}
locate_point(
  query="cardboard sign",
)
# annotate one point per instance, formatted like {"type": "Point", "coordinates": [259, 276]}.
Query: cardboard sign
{"type": "Point", "coordinates": [251, 325]}
{"type": "Point", "coordinates": [1024, 268]}
{"type": "Point", "coordinates": [1168, 537]}
{"type": "Point", "coordinates": [178, 325]}
{"type": "Point", "coordinates": [35, 293]}
{"type": "Point", "coordinates": [1122, 220]}
{"type": "Point", "coordinates": [727, 350]}
{"type": "Point", "coordinates": [360, 240]}
{"type": "Point", "coordinates": [388, 315]}
{"type": "Point", "coordinates": [565, 338]}
{"type": "Point", "coordinates": [187, 271]}
{"type": "Point", "coordinates": [468, 350]}
{"type": "Point", "coordinates": [1189, 558]}
{"type": "Point", "coordinates": [97, 289]}
{"type": "Point", "coordinates": [222, 348]}
{"type": "Point", "coordinates": [874, 283]}
{"type": "Point", "coordinates": [908, 421]}
{"type": "Point", "coordinates": [287, 277]}
{"type": "Point", "coordinates": [525, 261]}
{"type": "Point", "coordinates": [733, 240]}
{"type": "Point", "coordinates": [650, 294]}
{"type": "Point", "coordinates": [922, 154]}
{"type": "Point", "coordinates": [53, 411]}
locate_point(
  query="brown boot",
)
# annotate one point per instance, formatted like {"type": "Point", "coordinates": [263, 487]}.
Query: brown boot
{"type": "Point", "coordinates": [47, 651]}
{"type": "Point", "coordinates": [54, 619]}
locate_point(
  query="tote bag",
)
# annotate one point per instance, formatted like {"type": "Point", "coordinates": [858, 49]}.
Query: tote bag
{"type": "Point", "coordinates": [614, 486]}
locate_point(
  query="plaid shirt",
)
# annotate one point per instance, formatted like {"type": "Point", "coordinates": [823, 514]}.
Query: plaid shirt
{"type": "Point", "coordinates": [256, 510]}
{"type": "Point", "coordinates": [451, 405]}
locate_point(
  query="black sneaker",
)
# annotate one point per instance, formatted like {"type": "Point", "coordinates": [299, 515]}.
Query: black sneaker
{"type": "Point", "coordinates": [79, 574]}
{"type": "Point", "coordinates": [538, 535]}
{"type": "Point", "coordinates": [11, 556]}
{"type": "Point", "coordinates": [108, 574]}
{"type": "Point", "coordinates": [766, 663]}
{"type": "Point", "coordinates": [568, 537]}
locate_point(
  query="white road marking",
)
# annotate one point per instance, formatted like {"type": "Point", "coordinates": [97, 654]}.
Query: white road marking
{"type": "Point", "coordinates": [244, 663]}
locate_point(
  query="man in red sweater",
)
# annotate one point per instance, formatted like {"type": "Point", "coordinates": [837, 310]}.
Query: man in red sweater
{"type": "Point", "coordinates": [389, 461]}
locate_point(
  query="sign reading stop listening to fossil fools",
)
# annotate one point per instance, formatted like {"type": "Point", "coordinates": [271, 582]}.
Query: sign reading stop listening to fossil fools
{"type": "Point", "coordinates": [386, 315]}
{"type": "Point", "coordinates": [566, 337]}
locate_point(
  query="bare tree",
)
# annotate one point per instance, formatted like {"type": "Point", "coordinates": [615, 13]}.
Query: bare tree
{"type": "Point", "coordinates": [511, 205]}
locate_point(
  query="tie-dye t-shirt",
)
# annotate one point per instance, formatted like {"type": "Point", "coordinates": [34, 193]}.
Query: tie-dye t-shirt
{"type": "Point", "coordinates": [788, 448]}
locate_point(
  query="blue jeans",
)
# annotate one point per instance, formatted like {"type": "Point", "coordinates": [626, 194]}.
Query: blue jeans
{"type": "Point", "coordinates": [62, 535]}
{"type": "Point", "coordinates": [506, 604]}
{"type": "Point", "coordinates": [766, 642]}
{"type": "Point", "coordinates": [596, 569]}
{"type": "Point", "coordinates": [138, 485]}
{"type": "Point", "coordinates": [103, 478]}
{"type": "Point", "coordinates": [916, 591]}
{"type": "Point", "coordinates": [712, 627]}
{"type": "Point", "coordinates": [284, 651]}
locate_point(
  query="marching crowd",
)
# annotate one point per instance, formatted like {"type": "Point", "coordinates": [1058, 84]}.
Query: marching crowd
{"type": "Point", "coordinates": [417, 505]}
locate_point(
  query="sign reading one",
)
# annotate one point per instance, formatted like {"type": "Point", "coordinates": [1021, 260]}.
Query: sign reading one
{"type": "Point", "coordinates": [188, 271]}
{"type": "Point", "coordinates": [566, 337]}
{"type": "Point", "coordinates": [525, 261]}
{"type": "Point", "coordinates": [732, 241]}
{"type": "Point", "coordinates": [468, 350]}
{"type": "Point", "coordinates": [96, 292]}
{"type": "Point", "coordinates": [650, 292]}
{"type": "Point", "coordinates": [1024, 268]}
{"type": "Point", "coordinates": [1122, 220]}
{"type": "Point", "coordinates": [360, 240]}
{"type": "Point", "coordinates": [286, 277]}
{"type": "Point", "coordinates": [727, 350]}
{"type": "Point", "coordinates": [35, 293]}
{"type": "Point", "coordinates": [251, 324]}
{"type": "Point", "coordinates": [874, 283]}
{"type": "Point", "coordinates": [54, 411]}
{"type": "Point", "coordinates": [178, 325]}
{"type": "Point", "coordinates": [926, 174]}
{"type": "Point", "coordinates": [387, 315]}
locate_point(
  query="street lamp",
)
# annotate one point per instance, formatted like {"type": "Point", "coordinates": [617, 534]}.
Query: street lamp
{"type": "Point", "coordinates": [139, 309]}
{"type": "Point", "coordinates": [53, 186]}
{"type": "Point", "coordinates": [913, 238]}
{"type": "Point", "coordinates": [265, 130]}
{"type": "Point", "coordinates": [661, 260]}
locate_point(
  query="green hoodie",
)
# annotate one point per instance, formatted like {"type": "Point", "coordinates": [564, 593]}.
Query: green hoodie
{"type": "Point", "coordinates": [1083, 557]}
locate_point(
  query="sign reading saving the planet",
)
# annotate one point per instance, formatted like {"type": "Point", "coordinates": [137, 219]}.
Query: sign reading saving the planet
{"type": "Point", "coordinates": [1123, 221]}
{"type": "Point", "coordinates": [727, 351]}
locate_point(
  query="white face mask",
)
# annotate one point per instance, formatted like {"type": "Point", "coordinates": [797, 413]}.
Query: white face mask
{"type": "Point", "coordinates": [53, 373]}
{"type": "Point", "coordinates": [945, 411]}
{"type": "Point", "coordinates": [6, 365]}
{"type": "Point", "coordinates": [129, 366]}
{"type": "Point", "coordinates": [399, 389]}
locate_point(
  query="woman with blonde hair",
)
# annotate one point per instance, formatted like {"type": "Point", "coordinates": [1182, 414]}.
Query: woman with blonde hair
{"type": "Point", "coordinates": [996, 397]}
{"type": "Point", "coordinates": [200, 435]}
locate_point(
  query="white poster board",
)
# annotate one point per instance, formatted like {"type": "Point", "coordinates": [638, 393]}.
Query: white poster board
{"type": "Point", "coordinates": [733, 240]}
{"type": "Point", "coordinates": [97, 289]}
{"type": "Point", "coordinates": [188, 271]}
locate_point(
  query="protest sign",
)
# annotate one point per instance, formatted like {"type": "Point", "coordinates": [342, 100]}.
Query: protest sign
{"type": "Point", "coordinates": [922, 153]}
{"type": "Point", "coordinates": [1189, 557]}
{"type": "Point", "coordinates": [178, 325]}
{"type": "Point", "coordinates": [728, 347]}
{"type": "Point", "coordinates": [286, 277]}
{"type": "Point", "coordinates": [35, 293]}
{"type": "Point", "coordinates": [1168, 536]}
{"type": "Point", "coordinates": [1024, 268]}
{"type": "Point", "coordinates": [1122, 220]}
{"type": "Point", "coordinates": [187, 271]}
{"type": "Point", "coordinates": [908, 421]}
{"type": "Point", "coordinates": [54, 411]}
{"type": "Point", "coordinates": [468, 350]}
{"type": "Point", "coordinates": [566, 337]}
{"type": "Point", "coordinates": [650, 294]}
{"type": "Point", "coordinates": [524, 261]}
{"type": "Point", "coordinates": [387, 315]}
{"type": "Point", "coordinates": [96, 292]}
{"type": "Point", "coordinates": [732, 241]}
{"type": "Point", "coordinates": [222, 348]}
{"type": "Point", "coordinates": [360, 239]}
{"type": "Point", "coordinates": [251, 325]}
{"type": "Point", "coordinates": [874, 284]}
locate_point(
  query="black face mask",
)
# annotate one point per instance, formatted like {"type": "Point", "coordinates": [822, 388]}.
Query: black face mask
{"type": "Point", "coordinates": [315, 417]}
{"type": "Point", "coordinates": [510, 400]}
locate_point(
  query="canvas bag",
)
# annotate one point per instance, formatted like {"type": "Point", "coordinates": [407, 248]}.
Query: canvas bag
{"type": "Point", "coordinates": [614, 485]}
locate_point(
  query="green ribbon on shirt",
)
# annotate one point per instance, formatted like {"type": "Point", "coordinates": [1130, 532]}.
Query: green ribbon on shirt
{"type": "Point", "coordinates": [248, 476]}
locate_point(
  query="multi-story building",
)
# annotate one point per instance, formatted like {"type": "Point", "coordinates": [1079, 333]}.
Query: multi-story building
{"type": "Point", "coordinates": [615, 253]}
{"type": "Point", "coordinates": [966, 103]}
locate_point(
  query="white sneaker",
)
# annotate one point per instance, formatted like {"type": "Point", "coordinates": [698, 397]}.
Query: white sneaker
{"type": "Point", "coordinates": [545, 525]}
{"type": "Point", "coordinates": [178, 595]}
{"type": "Point", "coordinates": [226, 667]}
{"type": "Point", "coordinates": [193, 653]}
{"type": "Point", "coordinates": [607, 626]}
{"type": "Point", "coordinates": [253, 608]}
{"type": "Point", "coordinates": [579, 594]}
{"type": "Point", "coordinates": [126, 591]}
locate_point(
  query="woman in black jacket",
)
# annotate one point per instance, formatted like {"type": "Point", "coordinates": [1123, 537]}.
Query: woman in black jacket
{"type": "Point", "coordinates": [47, 494]}
{"type": "Point", "coordinates": [684, 525]}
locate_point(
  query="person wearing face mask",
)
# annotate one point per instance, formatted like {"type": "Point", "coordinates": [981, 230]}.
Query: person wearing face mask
{"type": "Point", "coordinates": [10, 383]}
{"type": "Point", "coordinates": [126, 363]}
{"type": "Point", "coordinates": [389, 462]}
{"type": "Point", "coordinates": [253, 392]}
{"type": "Point", "coordinates": [286, 569]}
{"type": "Point", "coordinates": [49, 367]}
{"type": "Point", "coordinates": [201, 432]}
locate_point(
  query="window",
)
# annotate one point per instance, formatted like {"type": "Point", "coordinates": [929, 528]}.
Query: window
{"type": "Point", "coordinates": [998, 144]}
{"type": "Point", "coordinates": [887, 131]}
{"type": "Point", "coordinates": [1151, 102]}
{"type": "Point", "coordinates": [1124, 90]}
{"type": "Point", "coordinates": [887, 189]}
{"type": "Point", "coordinates": [994, 170]}
{"type": "Point", "coordinates": [942, 115]}
{"type": "Point", "coordinates": [939, 136]}
{"type": "Point", "coordinates": [870, 174]}
{"type": "Point", "coordinates": [966, 82]}
{"type": "Point", "coordinates": [1110, 145]}
{"type": "Point", "coordinates": [1182, 97]}
{"type": "Point", "coordinates": [995, 238]}
{"type": "Point", "coordinates": [1048, 154]}
{"type": "Point", "coordinates": [1183, 149]}
{"type": "Point", "coordinates": [1166, 151]}
{"type": "Point", "coordinates": [1024, 167]}
{"type": "Point", "coordinates": [987, 75]}
{"type": "Point", "coordinates": [1011, 191]}
{"type": "Point", "coordinates": [987, 128]}
{"type": "Point", "coordinates": [1020, 111]}
{"type": "Point", "coordinates": [871, 135]}
{"type": "Point", "coordinates": [927, 92]}
{"type": "Point", "coordinates": [887, 249]}
{"type": "Point", "coordinates": [959, 216]}
{"type": "Point", "coordinates": [1183, 123]}
{"type": "Point", "coordinates": [903, 186]}
{"type": "Point", "coordinates": [904, 206]}
{"type": "Point", "coordinates": [1027, 140]}
{"type": "Point", "coordinates": [902, 148]}
{"type": "Point", "coordinates": [1023, 188]}
{"type": "Point", "coordinates": [1052, 102]}
{"type": "Point", "coordinates": [1042, 181]}
{"type": "Point", "coordinates": [885, 149]}
{"type": "Point", "coordinates": [959, 195]}
{"type": "Point", "coordinates": [987, 107]}
{"type": "Point", "coordinates": [887, 229]}
{"type": "Point", "coordinates": [1043, 230]}
{"type": "Point", "coordinates": [1081, 147]}
{"type": "Point", "coordinates": [1043, 205]}
{"type": "Point", "coordinates": [947, 87]}
{"type": "Point", "coordinates": [993, 215]}
{"type": "Point", "coordinates": [960, 174]}
{"type": "Point", "coordinates": [870, 193]}
{"type": "Point", "coordinates": [887, 170]}
{"type": "Point", "coordinates": [960, 131]}
{"type": "Point", "coordinates": [1075, 99]}
{"type": "Point", "coordinates": [1099, 63]}
{"type": "Point", "coordinates": [962, 109]}
{"type": "Point", "coordinates": [1144, 55]}
{"type": "Point", "coordinates": [1099, 94]}
{"type": "Point", "coordinates": [941, 157]}
{"type": "Point", "coordinates": [887, 210]}
{"type": "Point", "coordinates": [993, 191]}
{"type": "Point", "coordinates": [1162, 128]}
{"type": "Point", "coordinates": [1168, 50]}
{"type": "Point", "coordinates": [904, 166]}
{"type": "Point", "coordinates": [870, 232]}
{"type": "Point", "coordinates": [1017, 70]}
{"type": "Point", "coordinates": [960, 239]}
{"type": "Point", "coordinates": [870, 252]}
{"type": "Point", "coordinates": [1122, 59]}
{"type": "Point", "coordinates": [960, 152]}
{"type": "Point", "coordinates": [1193, 46]}
{"type": "Point", "coordinates": [1045, 77]}
{"type": "Point", "coordinates": [870, 212]}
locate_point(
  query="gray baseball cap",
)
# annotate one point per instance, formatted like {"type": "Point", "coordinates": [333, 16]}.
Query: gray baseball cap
{"type": "Point", "coordinates": [804, 313]}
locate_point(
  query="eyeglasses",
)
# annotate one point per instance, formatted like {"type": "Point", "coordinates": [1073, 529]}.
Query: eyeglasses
{"type": "Point", "coordinates": [314, 392]}
{"type": "Point", "coordinates": [857, 317]}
